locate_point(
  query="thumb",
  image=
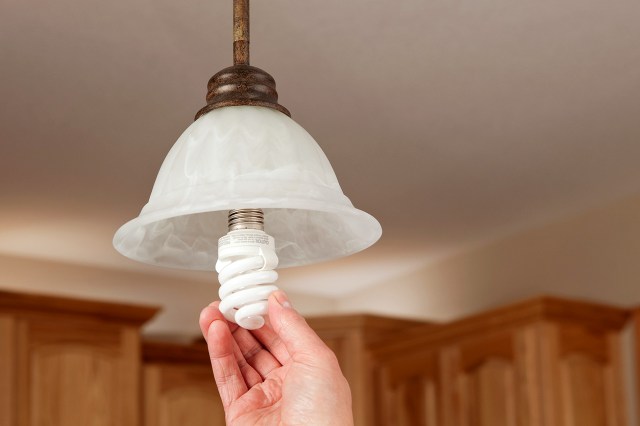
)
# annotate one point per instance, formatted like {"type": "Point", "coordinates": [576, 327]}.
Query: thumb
{"type": "Point", "coordinates": [294, 332]}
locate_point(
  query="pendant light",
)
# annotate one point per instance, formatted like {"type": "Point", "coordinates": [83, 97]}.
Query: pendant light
{"type": "Point", "coordinates": [245, 189]}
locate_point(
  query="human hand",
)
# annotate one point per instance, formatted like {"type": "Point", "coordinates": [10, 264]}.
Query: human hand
{"type": "Point", "coordinates": [280, 374]}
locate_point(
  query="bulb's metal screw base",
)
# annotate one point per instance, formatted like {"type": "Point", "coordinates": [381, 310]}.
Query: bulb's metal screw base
{"type": "Point", "coordinates": [246, 219]}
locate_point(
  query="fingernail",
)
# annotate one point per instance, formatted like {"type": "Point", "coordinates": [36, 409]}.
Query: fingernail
{"type": "Point", "coordinates": [282, 299]}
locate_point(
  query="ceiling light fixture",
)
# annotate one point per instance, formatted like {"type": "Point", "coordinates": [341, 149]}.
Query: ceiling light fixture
{"type": "Point", "coordinates": [244, 165]}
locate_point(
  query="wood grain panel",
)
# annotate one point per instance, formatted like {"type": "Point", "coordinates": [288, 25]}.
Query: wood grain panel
{"type": "Point", "coordinates": [486, 380]}
{"type": "Point", "coordinates": [408, 391]}
{"type": "Point", "coordinates": [528, 380]}
{"type": "Point", "coordinates": [591, 382]}
{"type": "Point", "coordinates": [615, 389]}
{"type": "Point", "coordinates": [193, 406]}
{"type": "Point", "coordinates": [7, 371]}
{"type": "Point", "coordinates": [583, 391]}
{"type": "Point", "coordinates": [414, 402]}
{"type": "Point", "coordinates": [181, 394]}
{"type": "Point", "coordinates": [129, 386]}
{"type": "Point", "coordinates": [488, 394]}
{"type": "Point", "coordinates": [73, 385]}
{"type": "Point", "coordinates": [582, 373]}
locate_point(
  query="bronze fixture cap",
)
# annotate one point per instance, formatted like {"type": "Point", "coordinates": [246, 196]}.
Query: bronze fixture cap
{"type": "Point", "coordinates": [242, 85]}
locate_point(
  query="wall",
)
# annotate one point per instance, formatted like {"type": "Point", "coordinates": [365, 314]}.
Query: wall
{"type": "Point", "coordinates": [595, 255]}
{"type": "Point", "coordinates": [181, 299]}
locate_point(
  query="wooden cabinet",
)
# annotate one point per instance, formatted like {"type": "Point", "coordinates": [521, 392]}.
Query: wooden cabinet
{"type": "Point", "coordinates": [351, 337]}
{"type": "Point", "coordinates": [69, 362]}
{"type": "Point", "coordinates": [178, 386]}
{"type": "Point", "coordinates": [545, 362]}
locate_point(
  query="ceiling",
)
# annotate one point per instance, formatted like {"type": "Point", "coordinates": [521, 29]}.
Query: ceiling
{"type": "Point", "coordinates": [453, 123]}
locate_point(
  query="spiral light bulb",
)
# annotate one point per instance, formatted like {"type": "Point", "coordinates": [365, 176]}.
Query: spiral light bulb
{"type": "Point", "coordinates": [245, 266]}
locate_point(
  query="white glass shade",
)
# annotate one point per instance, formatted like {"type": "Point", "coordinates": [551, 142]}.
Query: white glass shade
{"type": "Point", "coordinates": [245, 157]}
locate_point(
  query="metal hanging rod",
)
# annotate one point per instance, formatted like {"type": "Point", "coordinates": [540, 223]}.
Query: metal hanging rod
{"type": "Point", "coordinates": [241, 32]}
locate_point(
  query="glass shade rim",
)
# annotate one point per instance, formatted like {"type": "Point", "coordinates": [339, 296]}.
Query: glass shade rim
{"type": "Point", "coordinates": [346, 214]}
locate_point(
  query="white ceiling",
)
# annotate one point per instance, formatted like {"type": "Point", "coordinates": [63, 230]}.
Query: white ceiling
{"type": "Point", "coordinates": [451, 122]}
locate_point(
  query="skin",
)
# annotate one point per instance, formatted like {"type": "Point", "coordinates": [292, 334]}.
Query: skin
{"type": "Point", "coordinates": [281, 374]}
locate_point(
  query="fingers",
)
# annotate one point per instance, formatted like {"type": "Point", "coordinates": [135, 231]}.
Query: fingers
{"type": "Point", "coordinates": [250, 352]}
{"type": "Point", "coordinates": [259, 358]}
{"type": "Point", "coordinates": [207, 317]}
{"type": "Point", "coordinates": [301, 342]}
{"type": "Point", "coordinates": [226, 371]}
{"type": "Point", "coordinates": [272, 342]}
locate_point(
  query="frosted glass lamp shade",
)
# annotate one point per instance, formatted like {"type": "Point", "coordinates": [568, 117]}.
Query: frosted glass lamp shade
{"type": "Point", "coordinates": [245, 157]}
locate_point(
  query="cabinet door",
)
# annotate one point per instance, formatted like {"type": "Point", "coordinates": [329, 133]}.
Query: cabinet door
{"type": "Point", "coordinates": [76, 373]}
{"type": "Point", "coordinates": [181, 394]}
{"type": "Point", "coordinates": [584, 376]}
{"type": "Point", "coordinates": [7, 371]}
{"type": "Point", "coordinates": [348, 345]}
{"type": "Point", "coordinates": [490, 381]}
{"type": "Point", "coordinates": [408, 391]}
